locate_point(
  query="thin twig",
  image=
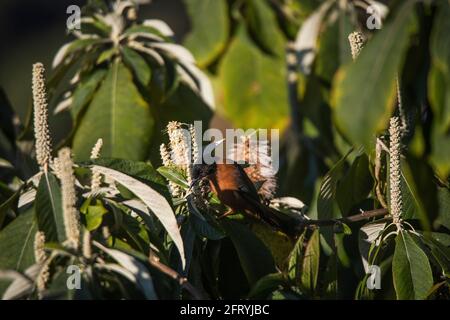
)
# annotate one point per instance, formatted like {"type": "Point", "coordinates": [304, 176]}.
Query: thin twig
{"type": "Point", "coordinates": [182, 281]}
{"type": "Point", "coordinates": [355, 218]}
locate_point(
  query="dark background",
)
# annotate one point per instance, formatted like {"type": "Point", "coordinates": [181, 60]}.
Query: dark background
{"type": "Point", "coordinates": [34, 30]}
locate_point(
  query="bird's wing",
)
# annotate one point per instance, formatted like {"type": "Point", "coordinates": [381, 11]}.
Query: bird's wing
{"type": "Point", "coordinates": [248, 187]}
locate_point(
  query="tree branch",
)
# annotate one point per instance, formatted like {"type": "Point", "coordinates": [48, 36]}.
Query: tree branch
{"type": "Point", "coordinates": [182, 281]}
{"type": "Point", "coordinates": [355, 218]}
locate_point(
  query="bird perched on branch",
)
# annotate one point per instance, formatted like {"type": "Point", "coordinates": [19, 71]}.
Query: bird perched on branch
{"type": "Point", "coordinates": [234, 189]}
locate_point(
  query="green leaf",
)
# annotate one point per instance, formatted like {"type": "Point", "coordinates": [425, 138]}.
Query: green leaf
{"type": "Point", "coordinates": [118, 115]}
{"type": "Point", "coordinates": [204, 225]}
{"type": "Point", "coordinates": [174, 175]}
{"type": "Point", "coordinates": [439, 90]}
{"type": "Point", "coordinates": [333, 48]}
{"type": "Point", "coordinates": [94, 215]}
{"type": "Point", "coordinates": [132, 269]}
{"type": "Point", "coordinates": [72, 47]}
{"type": "Point", "coordinates": [9, 203]}
{"type": "Point", "coordinates": [328, 189]}
{"type": "Point", "coordinates": [419, 188]}
{"type": "Point", "coordinates": [327, 207]}
{"type": "Point", "coordinates": [262, 26]}
{"type": "Point", "coordinates": [266, 285]}
{"type": "Point", "coordinates": [306, 39]}
{"type": "Point", "coordinates": [355, 186]}
{"type": "Point", "coordinates": [410, 269]}
{"type": "Point", "coordinates": [364, 92]}
{"type": "Point", "coordinates": [142, 171]}
{"type": "Point", "coordinates": [17, 244]}
{"type": "Point", "coordinates": [253, 84]}
{"type": "Point", "coordinates": [206, 229]}
{"type": "Point", "coordinates": [209, 33]}
{"type": "Point", "coordinates": [106, 55]}
{"type": "Point", "coordinates": [441, 253]}
{"type": "Point", "coordinates": [367, 237]}
{"type": "Point", "coordinates": [440, 137]}
{"type": "Point", "coordinates": [154, 201]}
{"type": "Point", "coordinates": [95, 26]}
{"type": "Point", "coordinates": [444, 207]}
{"type": "Point", "coordinates": [84, 92]}
{"type": "Point", "coordinates": [48, 208]}
{"type": "Point", "coordinates": [295, 259]}
{"type": "Point", "coordinates": [310, 265]}
{"type": "Point", "coordinates": [255, 258]}
{"type": "Point", "coordinates": [145, 31]}
{"type": "Point", "coordinates": [137, 64]}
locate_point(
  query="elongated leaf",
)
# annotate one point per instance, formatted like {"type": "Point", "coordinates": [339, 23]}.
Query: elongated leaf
{"type": "Point", "coordinates": [138, 64]}
{"type": "Point", "coordinates": [262, 26]}
{"type": "Point", "coordinates": [306, 40]}
{"type": "Point", "coordinates": [326, 203]}
{"type": "Point", "coordinates": [175, 51]}
{"type": "Point", "coordinates": [327, 206]}
{"type": "Point", "coordinates": [199, 82]}
{"type": "Point", "coordinates": [48, 208]}
{"type": "Point", "coordinates": [159, 25]}
{"type": "Point", "coordinates": [84, 92]}
{"type": "Point", "coordinates": [295, 258]}
{"type": "Point", "coordinates": [420, 189]}
{"type": "Point", "coordinates": [266, 285]}
{"type": "Point", "coordinates": [10, 203]}
{"type": "Point", "coordinates": [118, 115]}
{"type": "Point", "coordinates": [142, 171]}
{"type": "Point", "coordinates": [439, 90]}
{"type": "Point", "coordinates": [444, 207]}
{"type": "Point", "coordinates": [72, 47]}
{"type": "Point", "coordinates": [17, 244]}
{"type": "Point", "coordinates": [146, 31]}
{"type": "Point", "coordinates": [206, 229]}
{"type": "Point", "coordinates": [209, 33]}
{"type": "Point", "coordinates": [364, 92]}
{"type": "Point", "coordinates": [355, 186]}
{"type": "Point", "coordinates": [174, 175]}
{"type": "Point", "coordinates": [255, 258]}
{"type": "Point", "coordinates": [410, 269]}
{"type": "Point", "coordinates": [441, 254]}
{"type": "Point", "coordinates": [310, 268]}
{"type": "Point", "coordinates": [22, 285]}
{"type": "Point", "coordinates": [367, 236]}
{"type": "Point", "coordinates": [333, 47]}
{"type": "Point", "coordinates": [95, 26]}
{"type": "Point", "coordinates": [155, 201]}
{"type": "Point", "coordinates": [136, 269]}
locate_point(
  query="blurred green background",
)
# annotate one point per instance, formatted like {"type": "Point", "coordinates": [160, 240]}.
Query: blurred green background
{"type": "Point", "coordinates": [34, 30]}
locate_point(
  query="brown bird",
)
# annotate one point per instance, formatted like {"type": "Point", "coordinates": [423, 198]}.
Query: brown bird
{"type": "Point", "coordinates": [235, 189]}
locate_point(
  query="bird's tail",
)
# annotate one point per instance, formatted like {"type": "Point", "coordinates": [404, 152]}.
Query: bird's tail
{"type": "Point", "coordinates": [279, 220]}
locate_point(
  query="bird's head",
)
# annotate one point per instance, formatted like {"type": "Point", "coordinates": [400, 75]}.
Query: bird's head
{"type": "Point", "coordinates": [200, 171]}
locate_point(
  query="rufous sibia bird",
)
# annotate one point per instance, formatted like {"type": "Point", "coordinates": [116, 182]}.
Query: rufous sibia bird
{"type": "Point", "coordinates": [235, 189]}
